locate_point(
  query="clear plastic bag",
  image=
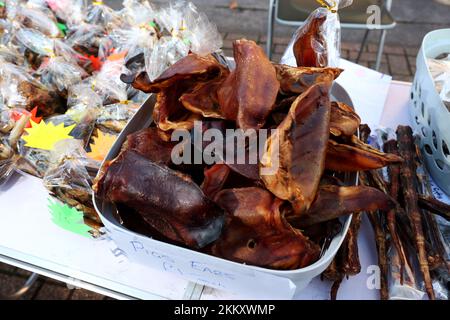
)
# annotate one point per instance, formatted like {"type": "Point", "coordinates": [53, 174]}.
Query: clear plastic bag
{"type": "Point", "coordinates": [59, 74]}
{"type": "Point", "coordinates": [113, 118]}
{"type": "Point", "coordinates": [7, 161]}
{"type": "Point", "coordinates": [317, 42]}
{"type": "Point", "coordinates": [19, 89]}
{"type": "Point", "coordinates": [11, 130]}
{"type": "Point", "coordinates": [183, 30]}
{"type": "Point", "coordinates": [83, 95]}
{"type": "Point", "coordinates": [137, 13]}
{"type": "Point", "coordinates": [102, 15]}
{"type": "Point", "coordinates": [7, 122]}
{"type": "Point", "coordinates": [11, 54]}
{"type": "Point", "coordinates": [86, 38]}
{"type": "Point", "coordinates": [69, 11]}
{"type": "Point", "coordinates": [33, 45]}
{"type": "Point", "coordinates": [83, 117]}
{"type": "Point", "coordinates": [409, 289]}
{"type": "Point", "coordinates": [69, 178]}
{"type": "Point", "coordinates": [107, 83]}
{"type": "Point", "coordinates": [131, 42]}
{"type": "Point", "coordinates": [3, 11]}
{"type": "Point", "coordinates": [10, 8]}
{"type": "Point", "coordinates": [165, 53]}
{"type": "Point", "coordinates": [38, 19]}
{"type": "Point", "coordinates": [6, 31]}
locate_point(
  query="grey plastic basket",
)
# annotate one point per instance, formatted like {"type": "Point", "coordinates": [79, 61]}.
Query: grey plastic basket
{"type": "Point", "coordinates": [431, 118]}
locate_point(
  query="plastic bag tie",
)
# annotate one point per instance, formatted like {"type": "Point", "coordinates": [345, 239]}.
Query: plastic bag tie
{"type": "Point", "coordinates": [328, 4]}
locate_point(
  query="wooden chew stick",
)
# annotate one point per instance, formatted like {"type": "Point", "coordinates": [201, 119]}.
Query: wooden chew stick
{"type": "Point", "coordinates": [435, 206]}
{"type": "Point", "coordinates": [408, 179]}
{"type": "Point", "coordinates": [351, 265]}
{"type": "Point", "coordinates": [394, 177]}
{"type": "Point", "coordinates": [380, 239]}
{"type": "Point", "coordinates": [374, 218]}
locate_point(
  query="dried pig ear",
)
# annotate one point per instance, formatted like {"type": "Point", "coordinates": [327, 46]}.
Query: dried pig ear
{"type": "Point", "coordinates": [296, 151]}
{"type": "Point", "coordinates": [357, 157]}
{"type": "Point", "coordinates": [296, 80]}
{"type": "Point", "coordinates": [335, 201]}
{"type": "Point", "coordinates": [188, 68]}
{"type": "Point", "coordinates": [167, 200]}
{"type": "Point", "coordinates": [152, 144]}
{"type": "Point", "coordinates": [248, 94]}
{"type": "Point", "coordinates": [215, 178]}
{"type": "Point", "coordinates": [203, 98]}
{"type": "Point", "coordinates": [344, 120]}
{"type": "Point", "coordinates": [169, 113]}
{"type": "Point", "coordinates": [310, 46]}
{"type": "Point", "coordinates": [256, 232]}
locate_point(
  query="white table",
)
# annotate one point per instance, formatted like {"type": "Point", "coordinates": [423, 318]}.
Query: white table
{"type": "Point", "coordinates": [30, 240]}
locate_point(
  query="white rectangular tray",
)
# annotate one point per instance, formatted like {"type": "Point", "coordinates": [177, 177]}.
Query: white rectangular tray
{"type": "Point", "coordinates": [206, 269]}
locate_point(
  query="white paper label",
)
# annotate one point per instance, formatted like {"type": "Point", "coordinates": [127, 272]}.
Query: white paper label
{"type": "Point", "coordinates": [200, 269]}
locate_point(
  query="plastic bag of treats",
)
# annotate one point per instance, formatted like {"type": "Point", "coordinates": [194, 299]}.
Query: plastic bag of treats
{"type": "Point", "coordinates": [3, 12]}
{"type": "Point", "coordinates": [6, 31]}
{"type": "Point", "coordinates": [82, 96]}
{"type": "Point", "coordinates": [33, 45]}
{"type": "Point", "coordinates": [59, 74]}
{"type": "Point", "coordinates": [12, 126]}
{"type": "Point", "coordinates": [317, 42]}
{"type": "Point", "coordinates": [131, 42]}
{"type": "Point", "coordinates": [76, 124]}
{"type": "Point", "coordinates": [36, 46]}
{"type": "Point", "coordinates": [82, 118]}
{"type": "Point", "coordinates": [69, 178]}
{"type": "Point", "coordinates": [183, 29]}
{"type": "Point", "coordinates": [137, 13]}
{"type": "Point", "coordinates": [70, 12]}
{"type": "Point", "coordinates": [8, 9]}
{"type": "Point", "coordinates": [86, 38]}
{"type": "Point", "coordinates": [40, 19]}
{"type": "Point", "coordinates": [11, 54]}
{"type": "Point", "coordinates": [19, 89]}
{"type": "Point", "coordinates": [114, 117]}
{"type": "Point", "coordinates": [107, 83]}
{"type": "Point", "coordinates": [100, 14]}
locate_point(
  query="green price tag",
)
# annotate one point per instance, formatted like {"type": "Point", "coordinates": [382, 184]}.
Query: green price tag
{"type": "Point", "coordinates": [2, 4]}
{"type": "Point", "coordinates": [62, 27]}
{"type": "Point", "coordinates": [68, 218]}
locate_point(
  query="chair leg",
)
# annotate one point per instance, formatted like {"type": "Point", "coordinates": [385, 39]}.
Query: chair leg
{"type": "Point", "coordinates": [363, 45]}
{"type": "Point", "coordinates": [270, 25]}
{"type": "Point", "coordinates": [380, 49]}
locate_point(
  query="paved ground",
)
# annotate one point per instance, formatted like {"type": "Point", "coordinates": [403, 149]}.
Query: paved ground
{"type": "Point", "coordinates": [415, 18]}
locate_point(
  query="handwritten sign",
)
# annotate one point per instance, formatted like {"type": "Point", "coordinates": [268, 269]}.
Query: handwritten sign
{"type": "Point", "coordinates": [205, 270]}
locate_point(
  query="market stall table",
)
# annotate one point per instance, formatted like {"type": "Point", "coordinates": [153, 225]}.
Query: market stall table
{"type": "Point", "coordinates": [30, 240]}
